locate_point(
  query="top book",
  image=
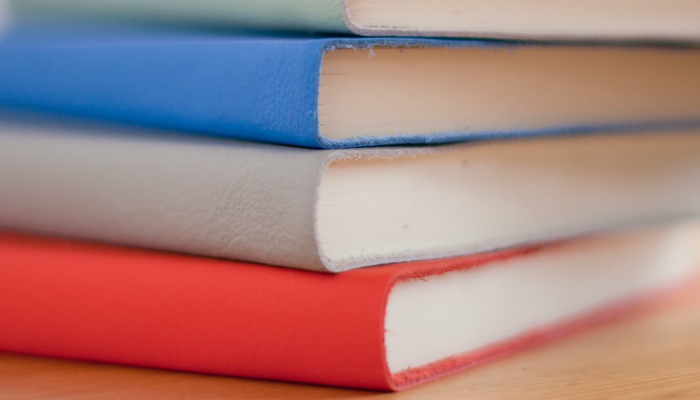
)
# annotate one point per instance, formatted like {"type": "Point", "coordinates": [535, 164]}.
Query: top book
{"type": "Point", "coordinates": [540, 19]}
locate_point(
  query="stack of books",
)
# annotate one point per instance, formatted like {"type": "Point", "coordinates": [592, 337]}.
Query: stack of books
{"type": "Point", "coordinates": [318, 191]}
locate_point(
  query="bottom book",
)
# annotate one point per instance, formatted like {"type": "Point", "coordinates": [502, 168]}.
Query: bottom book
{"type": "Point", "coordinates": [386, 328]}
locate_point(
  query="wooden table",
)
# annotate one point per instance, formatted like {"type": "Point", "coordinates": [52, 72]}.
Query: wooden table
{"type": "Point", "coordinates": [651, 356]}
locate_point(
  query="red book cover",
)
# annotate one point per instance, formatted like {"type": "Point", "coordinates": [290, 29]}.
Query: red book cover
{"type": "Point", "coordinates": [145, 308]}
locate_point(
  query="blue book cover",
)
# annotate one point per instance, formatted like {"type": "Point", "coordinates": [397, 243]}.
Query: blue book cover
{"type": "Point", "coordinates": [335, 92]}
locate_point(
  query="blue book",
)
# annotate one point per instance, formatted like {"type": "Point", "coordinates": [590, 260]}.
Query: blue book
{"type": "Point", "coordinates": [335, 92]}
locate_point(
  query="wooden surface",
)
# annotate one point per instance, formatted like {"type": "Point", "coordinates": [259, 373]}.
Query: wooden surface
{"type": "Point", "coordinates": [651, 356]}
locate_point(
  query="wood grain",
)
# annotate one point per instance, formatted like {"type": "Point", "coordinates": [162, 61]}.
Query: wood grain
{"type": "Point", "coordinates": [650, 356]}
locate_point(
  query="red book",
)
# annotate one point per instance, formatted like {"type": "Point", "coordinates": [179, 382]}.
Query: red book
{"type": "Point", "coordinates": [385, 328]}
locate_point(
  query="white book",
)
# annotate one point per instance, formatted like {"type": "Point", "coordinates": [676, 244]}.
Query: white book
{"type": "Point", "coordinates": [334, 210]}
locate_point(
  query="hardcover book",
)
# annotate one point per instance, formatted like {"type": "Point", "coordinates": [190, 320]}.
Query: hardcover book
{"type": "Point", "coordinates": [335, 210]}
{"type": "Point", "coordinates": [522, 19]}
{"type": "Point", "coordinates": [385, 328]}
{"type": "Point", "coordinates": [343, 91]}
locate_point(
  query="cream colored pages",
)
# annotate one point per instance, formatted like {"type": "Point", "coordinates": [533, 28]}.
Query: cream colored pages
{"type": "Point", "coordinates": [473, 91]}
{"type": "Point", "coordinates": [462, 312]}
{"type": "Point", "coordinates": [472, 198]}
{"type": "Point", "coordinates": [522, 19]}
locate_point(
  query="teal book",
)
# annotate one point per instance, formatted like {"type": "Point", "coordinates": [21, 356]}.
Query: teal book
{"type": "Point", "coordinates": [625, 19]}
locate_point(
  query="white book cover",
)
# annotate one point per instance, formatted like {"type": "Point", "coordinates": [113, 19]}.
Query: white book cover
{"type": "Point", "coordinates": [334, 210]}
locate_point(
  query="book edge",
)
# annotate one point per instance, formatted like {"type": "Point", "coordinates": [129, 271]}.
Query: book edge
{"type": "Point", "coordinates": [635, 306]}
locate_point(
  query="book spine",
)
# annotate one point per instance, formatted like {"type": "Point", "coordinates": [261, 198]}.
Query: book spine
{"type": "Point", "coordinates": [209, 197]}
{"type": "Point", "coordinates": [254, 89]}
{"type": "Point", "coordinates": [299, 15]}
{"type": "Point", "coordinates": [119, 305]}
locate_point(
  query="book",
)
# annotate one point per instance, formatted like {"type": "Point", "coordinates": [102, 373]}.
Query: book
{"type": "Point", "coordinates": [582, 20]}
{"type": "Point", "coordinates": [384, 328]}
{"type": "Point", "coordinates": [334, 210]}
{"type": "Point", "coordinates": [332, 92]}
